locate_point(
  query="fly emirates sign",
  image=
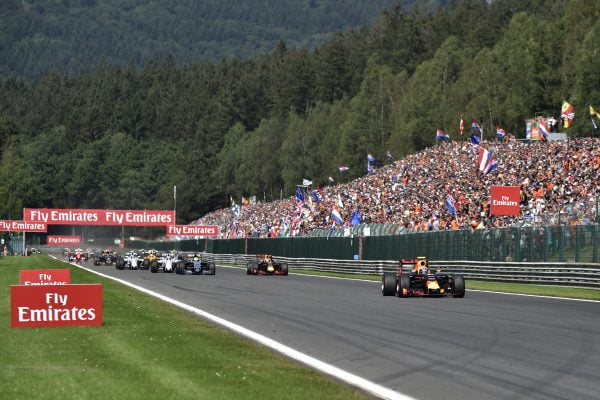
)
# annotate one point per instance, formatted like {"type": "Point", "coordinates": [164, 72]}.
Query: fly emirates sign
{"type": "Point", "coordinates": [55, 216]}
{"type": "Point", "coordinates": [192, 230]}
{"type": "Point", "coordinates": [64, 305]}
{"type": "Point", "coordinates": [41, 277]}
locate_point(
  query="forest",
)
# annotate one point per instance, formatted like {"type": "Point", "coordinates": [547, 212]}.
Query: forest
{"type": "Point", "coordinates": [77, 35]}
{"type": "Point", "coordinates": [122, 137]}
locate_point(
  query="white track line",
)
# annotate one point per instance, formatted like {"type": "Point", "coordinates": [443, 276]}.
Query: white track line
{"type": "Point", "coordinates": [345, 376]}
{"type": "Point", "coordinates": [470, 290]}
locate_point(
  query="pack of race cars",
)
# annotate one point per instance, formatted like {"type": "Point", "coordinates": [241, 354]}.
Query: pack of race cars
{"type": "Point", "coordinates": [413, 278]}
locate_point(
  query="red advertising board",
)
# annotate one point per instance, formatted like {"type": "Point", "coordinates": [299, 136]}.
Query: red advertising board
{"type": "Point", "coordinates": [63, 240]}
{"type": "Point", "coordinates": [22, 226]}
{"type": "Point", "coordinates": [62, 305]}
{"type": "Point", "coordinates": [505, 200]}
{"type": "Point", "coordinates": [45, 277]}
{"type": "Point", "coordinates": [192, 230]}
{"type": "Point", "coordinates": [55, 216]}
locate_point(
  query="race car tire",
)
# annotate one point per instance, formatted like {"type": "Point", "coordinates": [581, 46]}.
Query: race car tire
{"type": "Point", "coordinates": [145, 264]}
{"type": "Point", "coordinates": [388, 284]}
{"type": "Point", "coordinates": [254, 268]}
{"type": "Point", "coordinates": [212, 268]}
{"type": "Point", "coordinates": [249, 269]}
{"type": "Point", "coordinates": [178, 269]}
{"type": "Point", "coordinates": [154, 267]}
{"type": "Point", "coordinates": [458, 286]}
{"type": "Point", "coordinates": [284, 268]}
{"type": "Point", "coordinates": [403, 286]}
{"type": "Point", "coordinates": [96, 262]}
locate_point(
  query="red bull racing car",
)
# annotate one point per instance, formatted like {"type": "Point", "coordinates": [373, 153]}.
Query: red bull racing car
{"type": "Point", "coordinates": [415, 278]}
{"type": "Point", "coordinates": [265, 265]}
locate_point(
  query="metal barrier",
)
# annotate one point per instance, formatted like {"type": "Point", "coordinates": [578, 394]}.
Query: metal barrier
{"type": "Point", "coordinates": [563, 274]}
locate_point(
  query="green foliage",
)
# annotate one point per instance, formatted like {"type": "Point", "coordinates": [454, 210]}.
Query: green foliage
{"type": "Point", "coordinates": [72, 35]}
{"type": "Point", "coordinates": [122, 137]}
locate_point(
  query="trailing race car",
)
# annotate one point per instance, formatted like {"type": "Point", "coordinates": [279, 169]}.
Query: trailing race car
{"type": "Point", "coordinates": [150, 258]}
{"type": "Point", "coordinates": [195, 264]}
{"type": "Point", "coordinates": [130, 261]}
{"type": "Point", "coordinates": [77, 256]}
{"type": "Point", "coordinates": [265, 265]}
{"type": "Point", "coordinates": [165, 263]}
{"type": "Point", "coordinates": [106, 257]}
{"type": "Point", "coordinates": [415, 278]}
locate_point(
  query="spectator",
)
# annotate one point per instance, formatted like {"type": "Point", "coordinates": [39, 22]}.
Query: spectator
{"type": "Point", "coordinates": [411, 192]}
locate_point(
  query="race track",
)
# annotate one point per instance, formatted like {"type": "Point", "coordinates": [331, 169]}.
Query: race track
{"type": "Point", "coordinates": [485, 346]}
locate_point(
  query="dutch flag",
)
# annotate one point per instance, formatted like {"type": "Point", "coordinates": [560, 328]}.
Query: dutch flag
{"type": "Point", "coordinates": [337, 217]}
{"type": "Point", "coordinates": [485, 162]}
{"type": "Point", "coordinates": [543, 129]}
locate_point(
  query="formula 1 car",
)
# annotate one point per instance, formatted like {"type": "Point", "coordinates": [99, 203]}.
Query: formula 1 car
{"type": "Point", "coordinates": [106, 257]}
{"type": "Point", "coordinates": [165, 263]}
{"type": "Point", "coordinates": [415, 278]}
{"type": "Point", "coordinates": [265, 265]}
{"type": "Point", "coordinates": [195, 264]}
{"type": "Point", "coordinates": [130, 261]}
{"type": "Point", "coordinates": [77, 256]}
{"type": "Point", "coordinates": [150, 258]}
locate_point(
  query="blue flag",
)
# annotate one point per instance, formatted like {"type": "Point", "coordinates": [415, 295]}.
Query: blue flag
{"type": "Point", "coordinates": [317, 196]}
{"type": "Point", "coordinates": [299, 196]}
{"type": "Point", "coordinates": [475, 139]}
{"type": "Point", "coordinates": [451, 204]}
{"type": "Point", "coordinates": [355, 220]}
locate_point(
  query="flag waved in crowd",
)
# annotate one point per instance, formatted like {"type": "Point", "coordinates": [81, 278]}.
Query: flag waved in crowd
{"type": "Point", "coordinates": [485, 162]}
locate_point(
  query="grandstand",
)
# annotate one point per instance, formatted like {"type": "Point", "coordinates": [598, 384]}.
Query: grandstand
{"type": "Point", "coordinates": [558, 180]}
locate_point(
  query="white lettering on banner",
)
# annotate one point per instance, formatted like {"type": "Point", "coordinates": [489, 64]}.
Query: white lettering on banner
{"type": "Point", "coordinates": [192, 230]}
{"type": "Point", "coordinates": [56, 298]}
{"type": "Point", "coordinates": [143, 217]}
{"type": "Point", "coordinates": [37, 215]}
{"type": "Point", "coordinates": [71, 216]}
{"type": "Point", "coordinates": [504, 202]}
{"type": "Point", "coordinates": [26, 314]}
{"type": "Point", "coordinates": [64, 240]}
{"type": "Point", "coordinates": [45, 277]}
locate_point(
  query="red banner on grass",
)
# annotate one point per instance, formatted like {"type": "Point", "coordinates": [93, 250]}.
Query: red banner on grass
{"type": "Point", "coordinates": [192, 230]}
{"type": "Point", "coordinates": [66, 305]}
{"type": "Point", "coordinates": [64, 240]}
{"type": "Point", "coordinates": [505, 200]}
{"type": "Point", "coordinates": [45, 277]}
{"type": "Point", "coordinates": [55, 216]}
{"type": "Point", "coordinates": [22, 226]}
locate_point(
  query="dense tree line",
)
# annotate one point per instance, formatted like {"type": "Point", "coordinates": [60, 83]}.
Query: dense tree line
{"type": "Point", "coordinates": [122, 137]}
{"type": "Point", "coordinates": [73, 35]}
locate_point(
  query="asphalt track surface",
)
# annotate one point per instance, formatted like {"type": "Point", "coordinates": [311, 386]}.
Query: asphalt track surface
{"type": "Point", "coordinates": [484, 346]}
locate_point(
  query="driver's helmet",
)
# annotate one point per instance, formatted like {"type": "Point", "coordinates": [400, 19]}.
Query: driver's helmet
{"type": "Point", "coordinates": [196, 259]}
{"type": "Point", "coordinates": [421, 266]}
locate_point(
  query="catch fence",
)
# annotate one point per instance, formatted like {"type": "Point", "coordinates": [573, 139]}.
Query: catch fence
{"type": "Point", "coordinates": [559, 243]}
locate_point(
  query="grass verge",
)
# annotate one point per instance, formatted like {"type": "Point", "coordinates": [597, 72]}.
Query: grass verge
{"type": "Point", "coordinates": [146, 349]}
{"type": "Point", "coordinates": [522, 288]}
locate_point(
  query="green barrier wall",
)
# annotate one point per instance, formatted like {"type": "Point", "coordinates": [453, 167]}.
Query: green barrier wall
{"type": "Point", "coordinates": [574, 243]}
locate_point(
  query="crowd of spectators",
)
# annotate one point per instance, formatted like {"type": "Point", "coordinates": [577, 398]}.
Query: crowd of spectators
{"type": "Point", "coordinates": [556, 178]}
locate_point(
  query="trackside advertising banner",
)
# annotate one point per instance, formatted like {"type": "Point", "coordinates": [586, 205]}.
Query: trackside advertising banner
{"type": "Point", "coordinates": [505, 200]}
{"type": "Point", "coordinates": [55, 216]}
{"type": "Point", "coordinates": [192, 230]}
{"type": "Point", "coordinates": [64, 240]}
{"type": "Point", "coordinates": [45, 277]}
{"type": "Point", "coordinates": [22, 226]}
{"type": "Point", "coordinates": [66, 305]}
